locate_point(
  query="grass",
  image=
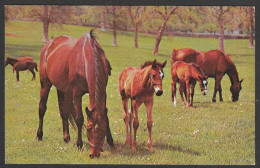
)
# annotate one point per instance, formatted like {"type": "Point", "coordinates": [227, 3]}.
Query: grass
{"type": "Point", "coordinates": [211, 133]}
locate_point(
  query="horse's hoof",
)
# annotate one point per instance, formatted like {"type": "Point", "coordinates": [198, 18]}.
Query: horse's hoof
{"type": "Point", "coordinates": [67, 140]}
{"type": "Point", "coordinates": [213, 100]}
{"type": "Point", "coordinates": [133, 149]}
{"type": "Point", "coordinates": [39, 139]}
{"type": "Point", "coordinates": [79, 145]}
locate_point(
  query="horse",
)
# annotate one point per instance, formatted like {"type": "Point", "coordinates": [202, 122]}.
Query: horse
{"type": "Point", "coordinates": [215, 64]}
{"type": "Point", "coordinates": [22, 66]}
{"type": "Point", "coordinates": [25, 58]}
{"type": "Point", "coordinates": [76, 66]}
{"type": "Point", "coordinates": [140, 84]}
{"type": "Point", "coordinates": [187, 75]}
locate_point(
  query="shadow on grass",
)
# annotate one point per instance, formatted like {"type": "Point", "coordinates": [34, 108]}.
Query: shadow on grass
{"type": "Point", "coordinates": [142, 149]}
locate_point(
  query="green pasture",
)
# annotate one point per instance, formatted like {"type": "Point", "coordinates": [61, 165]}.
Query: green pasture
{"type": "Point", "coordinates": [211, 133]}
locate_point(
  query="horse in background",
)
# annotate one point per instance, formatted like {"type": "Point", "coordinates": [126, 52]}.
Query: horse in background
{"type": "Point", "coordinates": [215, 64]}
{"type": "Point", "coordinates": [22, 66]}
{"type": "Point", "coordinates": [187, 75]}
{"type": "Point", "coordinates": [25, 58]}
{"type": "Point", "coordinates": [76, 66]}
{"type": "Point", "coordinates": [139, 85]}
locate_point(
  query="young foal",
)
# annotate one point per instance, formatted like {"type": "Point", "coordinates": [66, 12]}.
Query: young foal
{"type": "Point", "coordinates": [187, 75]}
{"type": "Point", "coordinates": [139, 84]}
{"type": "Point", "coordinates": [22, 66]}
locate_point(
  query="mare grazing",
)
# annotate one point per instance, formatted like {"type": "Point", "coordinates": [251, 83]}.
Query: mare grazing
{"type": "Point", "coordinates": [76, 66]}
{"type": "Point", "coordinates": [139, 84]}
{"type": "Point", "coordinates": [186, 75]}
{"type": "Point", "coordinates": [215, 64]}
{"type": "Point", "coordinates": [22, 66]}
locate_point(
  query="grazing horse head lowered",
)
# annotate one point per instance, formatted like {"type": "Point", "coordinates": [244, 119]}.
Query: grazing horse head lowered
{"type": "Point", "coordinates": [76, 66]}
{"type": "Point", "coordinates": [139, 85]}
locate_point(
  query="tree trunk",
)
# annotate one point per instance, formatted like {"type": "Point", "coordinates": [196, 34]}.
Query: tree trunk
{"type": "Point", "coordinates": [251, 38]}
{"type": "Point", "coordinates": [221, 30]}
{"type": "Point", "coordinates": [114, 25]}
{"type": "Point", "coordinates": [136, 36]}
{"type": "Point", "coordinates": [159, 37]}
{"type": "Point", "coordinates": [45, 24]}
{"type": "Point", "coordinates": [103, 24]}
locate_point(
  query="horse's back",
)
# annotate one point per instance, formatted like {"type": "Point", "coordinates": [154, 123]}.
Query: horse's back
{"type": "Point", "coordinates": [215, 62]}
{"type": "Point", "coordinates": [25, 58]}
{"type": "Point", "coordinates": [186, 55]}
{"type": "Point", "coordinates": [126, 76]}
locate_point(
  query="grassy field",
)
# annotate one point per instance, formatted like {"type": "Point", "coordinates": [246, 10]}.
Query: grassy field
{"type": "Point", "coordinates": [211, 133]}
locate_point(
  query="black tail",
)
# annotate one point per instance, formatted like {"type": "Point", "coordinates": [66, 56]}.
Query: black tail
{"type": "Point", "coordinates": [36, 67]}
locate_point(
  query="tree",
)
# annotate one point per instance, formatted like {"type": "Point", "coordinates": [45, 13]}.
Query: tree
{"type": "Point", "coordinates": [116, 20]}
{"type": "Point", "coordinates": [165, 13]}
{"type": "Point", "coordinates": [251, 26]}
{"type": "Point", "coordinates": [50, 14]}
{"type": "Point", "coordinates": [219, 12]}
{"type": "Point", "coordinates": [136, 17]}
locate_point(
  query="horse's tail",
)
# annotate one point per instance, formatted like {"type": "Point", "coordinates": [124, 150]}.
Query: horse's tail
{"type": "Point", "coordinates": [100, 73]}
{"type": "Point", "coordinates": [174, 53]}
{"type": "Point", "coordinates": [36, 67]}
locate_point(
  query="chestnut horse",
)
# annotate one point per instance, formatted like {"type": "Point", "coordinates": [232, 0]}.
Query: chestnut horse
{"type": "Point", "coordinates": [76, 66]}
{"type": "Point", "coordinates": [22, 66]}
{"type": "Point", "coordinates": [215, 64]}
{"type": "Point", "coordinates": [139, 84]}
{"type": "Point", "coordinates": [186, 75]}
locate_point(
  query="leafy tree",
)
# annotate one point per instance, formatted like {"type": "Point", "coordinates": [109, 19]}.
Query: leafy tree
{"type": "Point", "coordinates": [136, 14]}
{"type": "Point", "coordinates": [165, 13]}
{"type": "Point", "coordinates": [50, 14]}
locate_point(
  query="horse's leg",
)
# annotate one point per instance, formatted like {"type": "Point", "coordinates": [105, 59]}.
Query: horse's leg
{"type": "Point", "coordinates": [32, 71]}
{"type": "Point", "coordinates": [217, 84]}
{"type": "Point", "coordinates": [77, 98]}
{"type": "Point", "coordinates": [219, 88]}
{"type": "Point", "coordinates": [110, 140]}
{"type": "Point", "coordinates": [64, 115]}
{"type": "Point", "coordinates": [149, 108]}
{"type": "Point", "coordinates": [127, 116]}
{"type": "Point", "coordinates": [174, 93]}
{"type": "Point", "coordinates": [192, 94]}
{"type": "Point", "coordinates": [17, 75]}
{"type": "Point", "coordinates": [135, 106]}
{"type": "Point", "coordinates": [45, 89]}
{"type": "Point", "coordinates": [188, 92]}
{"type": "Point", "coordinates": [181, 89]}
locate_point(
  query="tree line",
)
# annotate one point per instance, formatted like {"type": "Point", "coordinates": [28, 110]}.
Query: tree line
{"type": "Point", "coordinates": [159, 19]}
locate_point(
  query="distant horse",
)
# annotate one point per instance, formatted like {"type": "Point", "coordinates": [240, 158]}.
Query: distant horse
{"type": "Point", "coordinates": [215, 64]}
{"type": "Point", "coordinates": [76, 66]}
{"type": "Point", "coordinates": [186, 75]}
{"type": "Point", "coordinates": [21, 66]}
{"type": "Point", "coordinates": [139, 84]}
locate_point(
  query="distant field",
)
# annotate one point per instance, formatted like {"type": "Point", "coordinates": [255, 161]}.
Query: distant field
{"type": "Point", "coordinates": [211, 133]}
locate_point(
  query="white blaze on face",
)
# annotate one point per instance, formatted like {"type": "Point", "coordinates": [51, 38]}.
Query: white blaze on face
{"type": "Point", "coordinates": [96, 126]}
{"type": "Point", "coordinates": [156, 89]}
{"type": "Point", "coordinates": [161, 74]}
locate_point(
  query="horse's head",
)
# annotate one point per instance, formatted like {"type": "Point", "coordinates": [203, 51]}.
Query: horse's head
{"type": "Point", "coordinates": [235, 89]}
{"type": "Point", "coordinates": [203, 84]}
{"type": "Point", "coordinates": [7, 60]}
{"type": "Point", "coordinates": [156, 77]}
{"type": "Point", "coordinates": [96, 131]}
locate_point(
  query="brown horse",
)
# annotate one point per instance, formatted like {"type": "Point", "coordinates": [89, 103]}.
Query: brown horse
{"type": "Point", "coordinates": [215, 64]}
{"type": "Point", "coordinates": [76, 66]}
{"type": "Point", "coordinates": [139, 84]}
{"type": "Point", "coordinates": [21, 66]}
{"type": "Point", "coordinates": [25, 58]}
{"type": "Point", "coordinates": [186, 75]}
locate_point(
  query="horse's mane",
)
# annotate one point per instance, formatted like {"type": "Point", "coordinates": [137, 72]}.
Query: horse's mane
{"type": "Point", "coordinates": [147, 63]}
{"type": "Point", "coordinates": [197, 67]}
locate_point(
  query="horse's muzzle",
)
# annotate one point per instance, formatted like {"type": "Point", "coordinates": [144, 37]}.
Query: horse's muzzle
{"type": "Point", "coordinates": [159, 93]}
{"type": "Point", "coordinates": [204, 92]}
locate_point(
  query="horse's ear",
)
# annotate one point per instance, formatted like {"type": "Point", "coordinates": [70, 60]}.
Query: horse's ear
{"type": "Point", "coordinates": [163, 65]}
{"type": "Point", "coordinates": [206, 77]}
{"type": "Point", "coordinates": [154, 64]}
{"type": "Point", "coordinates": [241, 81]}
{"type": "Point", "coordinates": [89, 113]}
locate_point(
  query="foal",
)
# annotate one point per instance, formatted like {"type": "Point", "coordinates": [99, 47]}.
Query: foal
{"type": "Point", "coordinates": [187, 75]}
{"type": "Point", "coordinates": [22, 66]}
{"type": "Point", "coordinates": [139, 84]}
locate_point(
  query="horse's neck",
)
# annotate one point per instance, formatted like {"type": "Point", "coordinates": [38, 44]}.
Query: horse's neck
{"type": "Point", "coordinates": [12, 61]}
{"type": "Point", "coordinates": [232, 73]}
